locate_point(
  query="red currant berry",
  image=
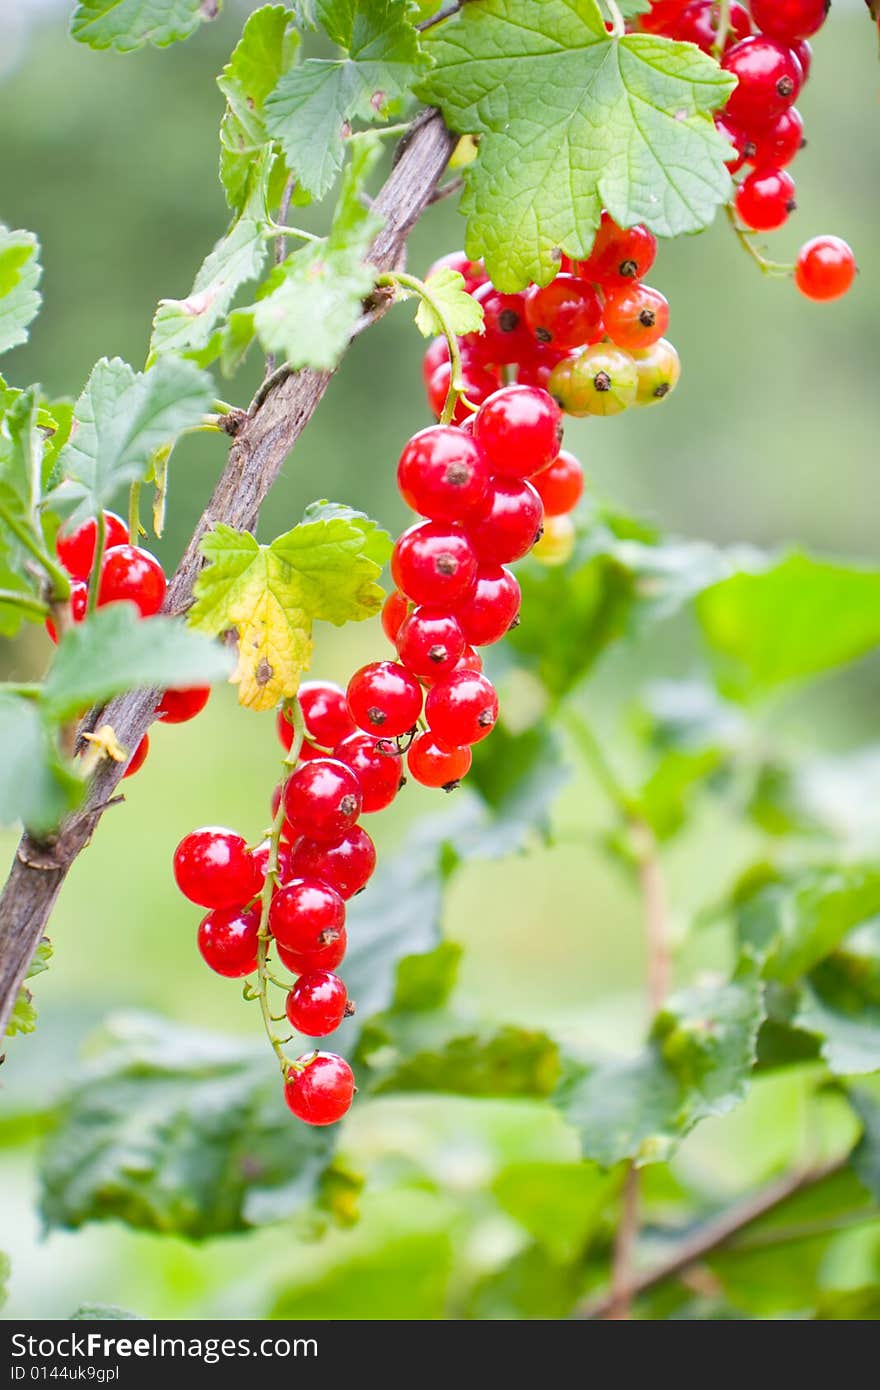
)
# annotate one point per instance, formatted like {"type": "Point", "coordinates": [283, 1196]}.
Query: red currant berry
{"type": "Point", "coordinates": [768, 77]}
{"type": "Point", "coordinates": [779, 142]}
{"type": "Point", "coordinates": [76, 551]}
{"type": "Point", "coordinates": [698, 23]}
{"type": "Point", "coordinates": [326, 957]}
{"type": "Point", "coordinates": [789, 20]}
{"type": "Point", "coordinates": [78, 604]}
{"type": "Point", "coordinates": [536, 370]}
{"type": "Point", "coordinates": [658, 371]}
{"type": "Point", "coordinates": [560, 486]}
{"type": "Point", "coordinates": [743, 148]}
{"type": "Point", "coordinates": [462, 710]}
{"type": "Point", "coordinates": [478, 382]}
{"type": "Point", "coordinates": [472, 272]}
{"type": "Point", "coordinates": [442, 473]}
{"type": "Point", "coordinates": [519, 429]}
{"type": "Point", "coordinates": [322, 1092]}
{"type": "Point", "coordinates": [825, 269]}
{"type": "Point", "coordinates": [636, 317]}
{"type": "Point", "coordinates": [228, 939]}
{"type": "Point", "coordinates": [434, 563]}
{"type": "Point", "coordinates": [394, 610]}
{"type": "Point", "coordinates": [510, 524]}
{"type": "Point", "coordinates": [317, 1004]}
{"type": "Point", "coordinates": [765, 199]}
{"type": "Point", "coordinates": [261, 860]}
{"type": "Point", "coordinates": [177, 706]}
{"type": "Point", "coordinates": [307, 916]}
{"type": "Point", "coordinates": [384, 699]}
{"type": "Point", "coordinates": [493, 607]}
{"type": "Point", "coordinates": [436, 355]}
{"type": "Point", "coordinates": [565, 314]}
{"type": "Point", "coordinates": [322, 799]}
{"type": "Point", "coordinates": [132, 574]}
{"type": "Point", "coordinates": [377, 764]}
{"type": "Point", "coordinates": [470, 661]}
{"type": "Point", "coordinates": [662, 15]}
{"type": "Point", "coordinates": [434, 765]}
{"type": "Point", "coordinates": [619, 256]}
{"type": "Point", "coordinates": [347, 865]}
{"type": "Point", "coordinates": [804, 54]}
{"type": "Point", "coordinates": [325, 714]}
{"type": "Point", "coordinates": [214, 868]}
{"type": "Point", "coordinates": [505, 337]}
{"type": "Point", "coordinates": [430, 643]}
{"type": "Point", "coordinates": [138, 757]}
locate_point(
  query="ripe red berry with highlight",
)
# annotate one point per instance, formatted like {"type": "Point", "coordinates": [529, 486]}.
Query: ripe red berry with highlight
{"type": "Point", "coordinates": [790, 20]}
{"type": "Point", "coordinates": [394, 610]}
{"type": "Point", "coordinates": [132, 574]}
{"type": "Point", "coordinates": [509, 525]}
{"type": "Point", "coordinates": [560, 486]}
{"type": "Point", "coordinates": [214, 868]}
{"type": "Point", "coordinates": [307, 916]}
{"type": "Point", "coordinates": [505, 337]}
{"type": "Point", "coordinates": [76, 550]}
{"type": "Point", "coordinates": [698, 23]}
{"type": "Point", "coordinates": [325, 714]}
{"type": "Point", "coordinates": [77, 604]}
{"type": "Point", "coordinates": [434, 563]}
{"type": "Point", "coordinates": [743, 146]}
{"type": "Point", "coordinates": [769, 78]}
{"type": "Point", "coordinates": [619, 255]}
{"type": "Point", "coordinates": [322, 1092]}
{"type": "Point", "coordinates": [317, 1004]}
{"type": "Point", "coordinates": [472, 272]}
{"type": "Point", "coordinates": [777, 144]}
{"type": "Point", "coordinates": [462, 710]}
{"type": "Point", "coordinates": [765, 199]}
{"type": "Point", "coordinates": [384, 699]}
{"type": "Point", "coordinates": [178, 706]}
{"type": "Point", "coordinates": [377, 764]}
{"type": "Point", "coordinates": [432, 764]}
{"type": "Point", "coordinates": [662, 15]}
{"type": "Point", "coordinates": [326, 957]}
{"type": "Point", "coordinates": [442, 473]}
{"type": "Point", "coordinates": [346, 865]}
{"type": "Point", "coordinates": [825, 268]}
{"type": "Point", "coordinates": [479, 383]}
{"type": "Point", "coordinates": [493, 607]}
{"type": "Point", "coordinates": [430, 643]}
{"type": "Point", "coordinates": [228, 939]}
{"type": "Point", "coordinates": [322, 799]}
{"type": "Point", "coordinates": [261, 860]}
{"type": "Point", "coordinates": [519, 429]}
{"type": "Point", "coordinates": [565, 314]}
{"type": "Point", "coordinates": [138, 757]}
{"type": "Point", "coordinates": [470, 660]}
{"type": "Point", "coordinates": [635, 317]}
{"type": "Point", "coordinates": [803, 52]}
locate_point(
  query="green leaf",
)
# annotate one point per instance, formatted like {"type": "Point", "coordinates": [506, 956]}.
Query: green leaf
{"type": "Point", "coordinates": [560, 1204]}
{"type": "Point", "coordinates": [865, 1157]}
{"type": "Point", "coordinates": [36, 787]}
{"type": "Point", "coordinates": [20, 273]}
{"type": "Point", "coordinates": [518, 778]}
{"type": "Point", "coordinates": [426, 981]}
{"type": "Point", "coordinates": [125, 25]}
{"type": "Point", "coordinates": [443, 1052]}
{"type": "Point", "coordinates": [461, 312]}
{"type": "Point", "coordinates": [115, 650]}
{"type": "Point", "coordinates": [315, 298]}
{"type": "Point", "coordinates": [121, 419]}
{"type": "Point", "coordinates": [697, 1063]}
{"type": "Point", "coordinates": [327, 568]}
{"type": "Point", "coordinates": [266, 49]}
{"type": "Point", "coordinates": [791, 924]}
{"type": "Point", "coordinates": [312, 107]}
{"type": "Point", "coordinates": [841, 1005]}
{"type": "Point", "coordinates": [23, 1018]}
{"type": "Point", "coordinates": [186, 325]}
{"type": "Point", "coordinates": [176, 1131]}
{"type": "Point", "coordinates": [571, 121]}
{"type": "Point", "coordinates": [25, 466]}
{"type": "Point", "coordinates": [795, 619]}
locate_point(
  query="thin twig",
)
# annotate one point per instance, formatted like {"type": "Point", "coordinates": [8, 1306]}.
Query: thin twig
{"type": "Point", "coordinates": [438, 18]}
{"type": "Point", "coordinates": [447, 190]}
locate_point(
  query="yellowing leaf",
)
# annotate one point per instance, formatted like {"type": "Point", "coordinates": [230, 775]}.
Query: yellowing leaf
{"type": "Point", "coordinates": [325, 568]}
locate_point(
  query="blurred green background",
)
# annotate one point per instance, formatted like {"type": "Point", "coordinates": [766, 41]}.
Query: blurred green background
{"type": "Point", "coordinates": [771, 437]}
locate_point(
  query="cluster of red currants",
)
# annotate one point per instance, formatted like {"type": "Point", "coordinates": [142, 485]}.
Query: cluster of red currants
{"type": "Point", "coordinates": [593, 337]}
{"type": "Point", "coordinates": [768, 51]}
{"type": "Point", "coordinates": [128, 574]}
{"type": "Point", "coordinates": [481, 490]}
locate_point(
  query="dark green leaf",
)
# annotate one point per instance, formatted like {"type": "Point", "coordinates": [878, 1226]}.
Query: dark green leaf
{"type": "Point", "coordinates": [426, 981]}
{"type": "Point", "coordinates": [116, 650]}
{"type": "Point", "coordinates": [792, 924]}
{"type": "Point", "coordinates": [441, 1052]}
{"type": "Point", "coordinates": [841, 1004]}
{"type": "Point", "coordinates": [865, 1157]}
{"type": "Point", "coordinates": [177, 1131]}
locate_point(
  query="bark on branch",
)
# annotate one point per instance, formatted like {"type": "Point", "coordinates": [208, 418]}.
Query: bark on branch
{"type": "Point", "coordinates": [262, 442]}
